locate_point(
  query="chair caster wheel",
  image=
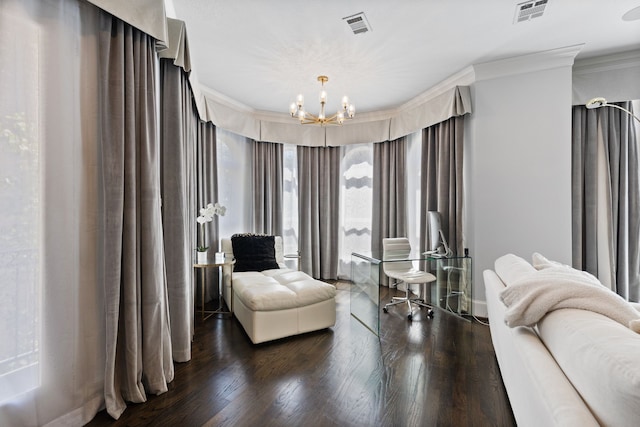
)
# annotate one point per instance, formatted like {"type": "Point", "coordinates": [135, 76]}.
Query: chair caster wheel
{"type": "Point", "coordinates": [410, 317]}
{"type": "Point", "coordinates": [385, 309]}
{"type": "Point", "coordinates": [430, 314]}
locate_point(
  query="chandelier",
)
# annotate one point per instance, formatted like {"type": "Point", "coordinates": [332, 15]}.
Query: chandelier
{"type": "Point", "coordinates": [297, 110]}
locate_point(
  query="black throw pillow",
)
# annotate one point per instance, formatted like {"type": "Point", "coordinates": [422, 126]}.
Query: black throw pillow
{"type": "Point", "coordinates": [254, 252]}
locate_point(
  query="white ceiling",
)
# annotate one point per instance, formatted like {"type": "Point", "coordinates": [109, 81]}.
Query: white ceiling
{"type": "Point", "coordinates": [262, 53]}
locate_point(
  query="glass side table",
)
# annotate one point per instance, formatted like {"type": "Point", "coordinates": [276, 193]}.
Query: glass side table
{"type": "Point", "coordinates": [218, 263]}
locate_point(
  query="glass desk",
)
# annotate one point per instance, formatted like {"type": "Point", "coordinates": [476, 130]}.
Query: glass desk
{"type": "Point", "coordinates": [450, 292]}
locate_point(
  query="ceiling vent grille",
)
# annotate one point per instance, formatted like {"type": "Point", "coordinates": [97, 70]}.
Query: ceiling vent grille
{"type": "Point", "coordinates": [358, 23]}
{"type": "Point", "coordinates": [529, 10]}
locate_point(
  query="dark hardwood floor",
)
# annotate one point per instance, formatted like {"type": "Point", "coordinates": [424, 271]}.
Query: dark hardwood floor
{"type": "Point", "coordinates": [429, 372]}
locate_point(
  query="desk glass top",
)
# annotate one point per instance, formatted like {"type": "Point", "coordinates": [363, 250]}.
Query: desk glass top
{"type": "Point", "coordinates": [415, 255]}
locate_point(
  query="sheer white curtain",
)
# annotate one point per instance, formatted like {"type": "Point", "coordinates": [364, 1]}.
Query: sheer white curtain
{"type": "Point", "coordinates": [234, 182]}
{"type": "Point", "coordinates": [356, 198]}
{"type": "Point", "coordinates": [414, 150]}
{"type": "Point", "coordinates": [48, 208]}
{"type": "Point", "coordinates": [290, 202]}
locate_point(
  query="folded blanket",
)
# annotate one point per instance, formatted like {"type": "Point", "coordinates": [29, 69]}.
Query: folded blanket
{"type": "Point", "coordinates": [536, 294]}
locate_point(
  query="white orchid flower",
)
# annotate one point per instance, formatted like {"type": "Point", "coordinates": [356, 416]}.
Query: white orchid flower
{"type": "Point", "coordinates": [208, 211]}
{"type": "Point", "coordinates": [202, 219]}
{"type": "Point", "coordinates": [219, 209]}
{"type": "Point", "coordinates": [207, 214]}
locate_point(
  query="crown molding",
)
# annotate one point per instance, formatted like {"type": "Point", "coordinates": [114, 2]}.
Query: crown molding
{"type": "Point", "coordinates": [617, 61]}
{"type": "Point", "coordinates": [464, 77]}
{"type": "Point", "coordinates": [530, 63]}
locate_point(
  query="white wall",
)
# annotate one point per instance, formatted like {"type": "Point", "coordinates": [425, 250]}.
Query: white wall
{"type": "Point", "coordinates": [518, 163]}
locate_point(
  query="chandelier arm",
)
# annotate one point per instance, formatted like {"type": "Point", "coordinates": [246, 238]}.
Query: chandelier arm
{"type": "Point", "coordinates": [309, 116]}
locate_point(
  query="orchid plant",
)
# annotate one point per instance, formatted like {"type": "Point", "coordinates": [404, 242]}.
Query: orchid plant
{"type": "Point", "coordinates": [206, 215]}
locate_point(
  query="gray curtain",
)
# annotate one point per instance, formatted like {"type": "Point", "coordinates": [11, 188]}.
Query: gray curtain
{"type": "Point", "coordinates": [389, 215]}
{"type": "Point", "coordinates": [138, 343]}
{"type": "Point", "coordinates": [441, 180]}
{"type": "Point", "coordinates": [178, 141]}
{"type": "Point", "coordinates": [606, 197]}
{"type": "Point", "coordinates": [318, 210]}
{"type": "Point", "coordinates": [267, 187]}
{"type": "Point", "coordinates": [206, 192]}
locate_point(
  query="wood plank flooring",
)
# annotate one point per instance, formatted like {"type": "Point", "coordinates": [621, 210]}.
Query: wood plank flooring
{"type": "Point", "coordinates": [429, 372]}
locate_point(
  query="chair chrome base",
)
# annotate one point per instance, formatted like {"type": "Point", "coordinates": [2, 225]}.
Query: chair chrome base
{"type": "Point", "coordinates": [417, 301]}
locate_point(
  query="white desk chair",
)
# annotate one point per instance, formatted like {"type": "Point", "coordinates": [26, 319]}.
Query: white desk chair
{"type": "Point", "coordinates": [399, 248]}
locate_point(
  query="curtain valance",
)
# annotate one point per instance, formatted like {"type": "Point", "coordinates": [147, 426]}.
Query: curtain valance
{"type": "Point", "coordinates": [452, 103]}
{"type": "Point", "coordinates": [146, 15]}
{"type": "Point", "coordinates": [177, 44]}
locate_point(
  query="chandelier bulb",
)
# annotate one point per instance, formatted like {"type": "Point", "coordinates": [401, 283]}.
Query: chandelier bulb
{"type": "Point", "coordinates": [352, 110]}
{"type": "Point", "coordinates": [323, 96]}
{"type": "Point", "coordinates": [292, 109]}
{"type": "Point", "coordinates": [300, 100]}
{"type": "Point", "coordinates": [345, 102]}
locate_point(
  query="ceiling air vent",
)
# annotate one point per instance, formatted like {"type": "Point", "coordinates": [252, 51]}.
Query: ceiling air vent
{"type": "Point", "coordinates": [358, 23]}
{"type": "Point", "coordinates": [529, 10]}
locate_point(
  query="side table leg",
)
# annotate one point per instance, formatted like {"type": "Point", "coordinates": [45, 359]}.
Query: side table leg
{"type": "Point", "coordinates": [202, 279]}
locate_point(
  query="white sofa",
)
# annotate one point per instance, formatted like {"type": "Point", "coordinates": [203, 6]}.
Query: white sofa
{"type": "Point", "coordinates": [277, 303]}
{"type": "Point", "coordinates": [573, 367]}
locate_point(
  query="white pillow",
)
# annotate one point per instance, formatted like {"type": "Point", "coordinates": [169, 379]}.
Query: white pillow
{"type": "Point", "coordinates": [510, 268]}
{"type": "Point", "coordinates": [540, 262]}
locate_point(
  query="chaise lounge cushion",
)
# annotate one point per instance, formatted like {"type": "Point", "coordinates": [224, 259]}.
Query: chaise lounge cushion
{"type": "Point", "coordinates": [280, 290]}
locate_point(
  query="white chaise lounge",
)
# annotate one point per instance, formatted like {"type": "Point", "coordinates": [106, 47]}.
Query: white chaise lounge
{"type": "Point", "coordinates": [276, 302]}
